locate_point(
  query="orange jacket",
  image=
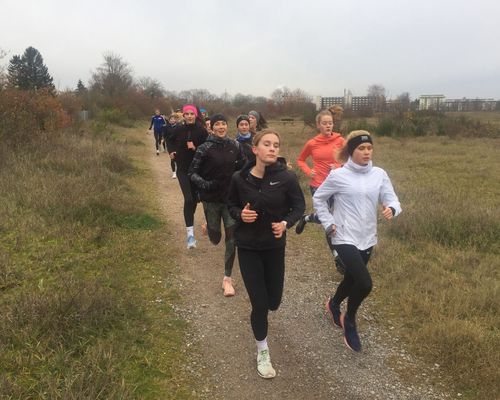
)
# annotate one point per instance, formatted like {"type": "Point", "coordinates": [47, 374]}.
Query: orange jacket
{"type": "Point", "coordinates": [322, 150]}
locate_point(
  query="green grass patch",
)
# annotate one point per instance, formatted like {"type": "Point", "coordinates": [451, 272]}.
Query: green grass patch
{"type": "Point", "coordinates": [86, 299]}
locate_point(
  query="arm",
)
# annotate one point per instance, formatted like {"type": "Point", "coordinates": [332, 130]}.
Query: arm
{"type": "Point", "coordinates": [233, 199]}
{"type": "Point", "coordinates": [301, 160]}
{"type": "Point", "coordinates": [196, 167]}
{"type": "Point", "coordinates": [320, 201]}
{"type": "Point", "coordinates": [151, 124]}
{"type": "Point", "coordinates": [389, 199]}
{"type": "Point", "coordinates": [240, 157]}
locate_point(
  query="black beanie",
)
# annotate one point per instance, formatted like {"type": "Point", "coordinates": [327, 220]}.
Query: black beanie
{"type": "Point", "coordinates": [216, 117]}
{"type": "Point", "coordinates": [240, 118]}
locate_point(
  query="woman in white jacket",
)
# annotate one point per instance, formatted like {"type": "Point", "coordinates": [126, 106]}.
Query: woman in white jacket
{"type": "Point", "coordinates": [358, 188]}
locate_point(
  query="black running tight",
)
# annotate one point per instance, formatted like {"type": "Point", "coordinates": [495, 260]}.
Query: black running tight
{"type": "Point", "coordinates": [189, 194]}
{"type": "Point", "coordinates": [263, 273]}
{"type": "Point", "coordinates": [357, 282]}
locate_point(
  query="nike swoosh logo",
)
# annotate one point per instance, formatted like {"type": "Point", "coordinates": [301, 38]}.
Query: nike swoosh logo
{"type": "Point", "coordinates": [274, 183]}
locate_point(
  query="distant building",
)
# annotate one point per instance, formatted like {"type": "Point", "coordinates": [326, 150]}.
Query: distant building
{"type": "Point", "coordinates": [431, 102]}
{"type": "Point", "coordinates": [470, 104]}
{"type": "Point", "coordinates": [348, 101]}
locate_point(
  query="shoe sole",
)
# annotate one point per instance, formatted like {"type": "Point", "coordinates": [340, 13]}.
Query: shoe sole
{"type": "Point", "coordinates": [327, 305]}
{"type": "Point", "coordinates": [345, 339]}
{"type": "Point", "coordinates": [267, 376]}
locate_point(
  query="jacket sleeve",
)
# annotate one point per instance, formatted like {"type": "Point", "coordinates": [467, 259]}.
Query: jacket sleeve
{"type": "Point", "coordinates": [240, 158]}
{"type": "Point", "coordinates": [296, 201]}
{"type": "Point", "coordinates": [320, 200]}
{"type": "Point", "coordinates": [196, 167]}
{"type": "Point", "coordinates": [151, 124]}
{"type": "Point", "coordinates": [388, 196]}
{"type": "Point", "coordinates": [173, 140]}
{"type": "Point", "coordinates": [301, 160]}
{"type": "Point", "coordinates": [233, 199]}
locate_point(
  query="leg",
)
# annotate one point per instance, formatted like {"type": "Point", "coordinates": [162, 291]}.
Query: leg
{"type": "Point", "coordinates": [213, 216]}
{"type": "Point", "coordinates": [230, 253]}
{"type": "Point", "coordinates": [274, 272]}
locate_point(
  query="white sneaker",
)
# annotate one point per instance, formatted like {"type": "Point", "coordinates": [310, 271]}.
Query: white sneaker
{"type": "Point", "coordinates": [174, 175]}
{"type": "Point", "coordinates": [191, 242]}
{"type": "Point", "coordinates": [157, 152]}
{"type": "Point", "coordinates": [264, 367]}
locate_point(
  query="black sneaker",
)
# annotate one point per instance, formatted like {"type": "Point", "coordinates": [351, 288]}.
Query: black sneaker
{"type": "Point", "coordinates": [334, 311]}
{"type": "Point", "coordinates": [351, 338]}
{"type": "Point", "coordinates": [299, 228]}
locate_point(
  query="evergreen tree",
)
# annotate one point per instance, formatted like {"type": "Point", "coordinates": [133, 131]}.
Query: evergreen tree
{"type": "Point", "coordinates": [29, 72]}
{"type": "Point", "coordinates": [80, 88]}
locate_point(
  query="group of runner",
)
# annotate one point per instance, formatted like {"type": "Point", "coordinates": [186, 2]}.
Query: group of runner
{"type": "Point", "coordinates": [245, 186]}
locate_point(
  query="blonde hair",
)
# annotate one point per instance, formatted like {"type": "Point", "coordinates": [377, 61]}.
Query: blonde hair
{"type": "Point", "coordinates": [258, 136]}
{"type": "Point", "coordinates": [336, 112]}
{"type": "Point", "coordinates": [321, 114]}
{"type": "Point", "coordinates": [343, 154]}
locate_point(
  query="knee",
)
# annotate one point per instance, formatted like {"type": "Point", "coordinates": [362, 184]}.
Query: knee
{"type": "Point", "coordinates": [214, 236]}
{"type": "Point", "coordinates": [366, 285]}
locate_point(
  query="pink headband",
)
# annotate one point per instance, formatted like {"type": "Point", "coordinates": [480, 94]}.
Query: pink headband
{"type": "Point", "coordinates": [189, 107]}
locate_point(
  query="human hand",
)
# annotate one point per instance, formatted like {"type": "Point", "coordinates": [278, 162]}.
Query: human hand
{"type": "Point", "coordinates": [332, 230]}
{"type": "Point", "coordinates": [312, 174]}
{"type": "Point", "coordinates": [191, 146]}
{"type": "Point", "coordinates": [387, 212]}
{"type": "Point", "coordinates": [248, 215]}
{"type": "Point", "coordinates": [172, 155]}
{"type": "Point", "coordinates": [278, 229]}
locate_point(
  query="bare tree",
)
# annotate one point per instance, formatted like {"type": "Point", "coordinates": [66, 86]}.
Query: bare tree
{"type": "Point", "coordinates": [113, 77]}
{"type": "Point", "coordinates": [378, 92]}
{"type": "Point", "coordinates": [151, 87]}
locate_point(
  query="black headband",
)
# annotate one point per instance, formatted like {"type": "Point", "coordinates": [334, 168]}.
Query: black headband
{"type": "Point", "coordinates": [356, 141]}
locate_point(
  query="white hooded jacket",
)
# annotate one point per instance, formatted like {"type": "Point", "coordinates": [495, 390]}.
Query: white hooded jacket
{"type": "Point", "coordinates": [357, 191]}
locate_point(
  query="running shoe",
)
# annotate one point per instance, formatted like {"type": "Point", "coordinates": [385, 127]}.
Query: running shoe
{"type": "Point", "coordinates": [334, 311]}
{"type": "Point", "coordinates": [264, 367]}
{"type": "Point", "coordinates": [157, 152]}
{"type": "Point", "coordinates": [191, 242]}
{"type": "Point", "coordinates": [351, 338]}
{"type": "Point", "coordinates": [174, 175]}
{"type": "Point", "coordinates": [227, 286]}
{"type": "Point", "coordinates": [299, 228]}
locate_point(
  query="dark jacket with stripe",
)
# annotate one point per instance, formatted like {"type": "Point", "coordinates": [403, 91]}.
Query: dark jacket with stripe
{"type": "Point", "coordinates": [213, 165]}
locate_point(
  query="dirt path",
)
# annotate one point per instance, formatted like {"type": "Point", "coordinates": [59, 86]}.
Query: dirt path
{"type": "Point", "coordinates": [308, 353]}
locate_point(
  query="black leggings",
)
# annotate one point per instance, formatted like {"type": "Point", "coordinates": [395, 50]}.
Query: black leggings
{"type": "Point", "coordinates": [263, 273]}
{"type": "Point", "coordinates": [158, 137]}
{"type": "Point", "coordinates": [357, 282]}
{"type": "Point", "coordinates": [189, 194]}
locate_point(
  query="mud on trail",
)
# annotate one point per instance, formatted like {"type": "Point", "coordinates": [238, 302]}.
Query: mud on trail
{"type": "Point", "coordinates": [306, 349]}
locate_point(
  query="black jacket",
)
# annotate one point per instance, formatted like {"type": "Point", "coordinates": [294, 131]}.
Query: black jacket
{"type": "Point", "coordinates": [277, 197]}
{"type": "Point", "coordinates": [213, 165]}
{"type": "Point", "coordinates": [178, 140]}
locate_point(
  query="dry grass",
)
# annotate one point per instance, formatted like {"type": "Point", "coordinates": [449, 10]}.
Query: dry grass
{"type": "Point", "coordinates": [436, 269]}
{"type": "Point", "coordinates": [85, 299]}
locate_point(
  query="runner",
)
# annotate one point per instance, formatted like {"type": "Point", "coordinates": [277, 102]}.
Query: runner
{"type": "Point", "coordinates": [321, 149]}
{"type": "Point", "coordinates": [167, 132]}
{"type": "Point", "coordinates": [244, 136]}
{"type": "Point", "coordinates": [257, 121]}
{"type": "Point", "coordinates": [357, 189]}
{"type": "Point", "coordinates": [214, 163]}
{"type": "Point", "coordinates": [264, 198]}
{"type": "Point", "coordinates": [182, 145]}
{"type": "Point", "coordinates": [158, 122]}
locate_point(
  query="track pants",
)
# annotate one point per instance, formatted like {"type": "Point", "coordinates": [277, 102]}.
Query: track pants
{"type": "Point", "coordinates": [189, 194]}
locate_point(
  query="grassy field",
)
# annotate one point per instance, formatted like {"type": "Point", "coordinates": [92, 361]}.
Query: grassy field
{"type": "Point", "coordinates": [85, 288]}
{"type": "Point", "coordinates": [436, 269]}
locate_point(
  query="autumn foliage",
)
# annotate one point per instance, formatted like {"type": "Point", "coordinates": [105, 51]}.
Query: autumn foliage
{"type": "Point", "coordinates": [26, 113]}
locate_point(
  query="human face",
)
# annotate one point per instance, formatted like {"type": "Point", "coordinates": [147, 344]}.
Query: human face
{"type": "Point", "coordinates": [189, 116]}
{"type": "Point", "coordinates": [157, 112]}
{"type": "Point", "coordinates": [220, 129]}
{"type": "Point", "coordinates": [172, 121]}
{"type": "Point", "coordinates": [362, 154]}
{"type": "Point", "coordinates": [244, 127]}
{"type": "Point", "coordinates": [267, 149]}
{"type": "Point", "coordinates": [325, 125]}
{"type": "Point", "coordinates": [253, 121]}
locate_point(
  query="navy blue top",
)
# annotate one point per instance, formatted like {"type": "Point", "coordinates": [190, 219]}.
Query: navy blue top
{"type": "Point", "coordinates": [158, 122]}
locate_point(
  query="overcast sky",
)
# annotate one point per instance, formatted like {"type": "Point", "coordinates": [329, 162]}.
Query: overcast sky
{"type": "Point", "coordinates": [449, 47]}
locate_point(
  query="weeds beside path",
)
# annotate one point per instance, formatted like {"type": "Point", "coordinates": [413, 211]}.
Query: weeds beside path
{"type": "Point", "coordinates": [307, 351]}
